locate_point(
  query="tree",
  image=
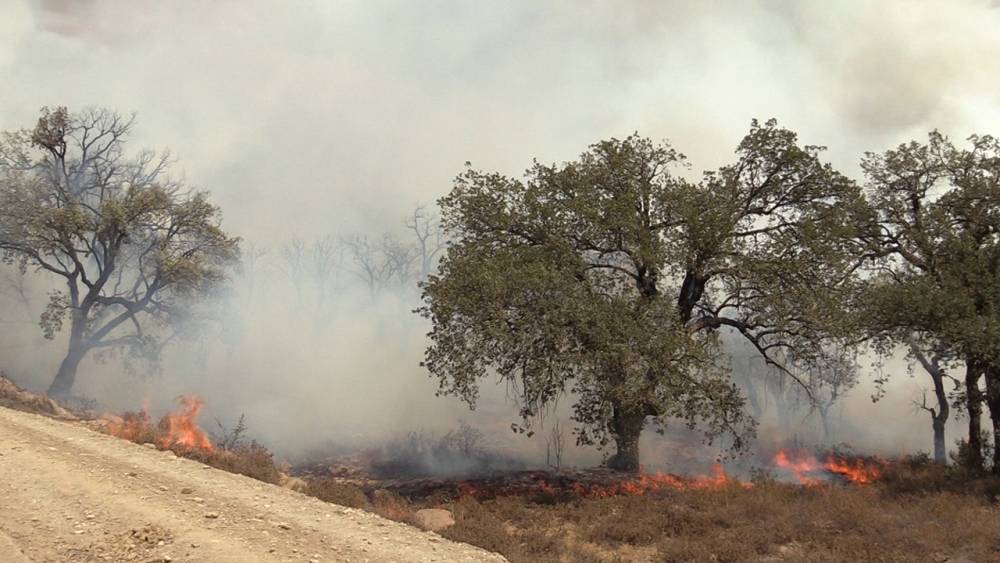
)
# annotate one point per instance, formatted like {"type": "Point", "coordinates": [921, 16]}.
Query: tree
{"type": "Point", "coordinates": [380, 263]}
{"type": "Point", "coordinates": [934, 360]}
{"type": "Point", "coordinates": [133, 245]}
{"type": "Point", "coordinates": [609, 277]}
{"type": "Point", "coordinates": [937, 267]}
{"type": "Point", "coordinates": [430, 238]}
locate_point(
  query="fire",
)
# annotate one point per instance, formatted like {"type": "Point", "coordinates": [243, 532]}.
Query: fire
{"type": "Point", "coordinates": [804, 467]}
{"type": "Point", "coordinates": [178, 428]}
{"type": "Point", "coordinates": [131, 425]}
{"type": "Point", "coordinates": [637, 486]}
{"type": "Point", "coordinates": [857, 472]}
{"type": "Point", "coordinates": [182, 427]}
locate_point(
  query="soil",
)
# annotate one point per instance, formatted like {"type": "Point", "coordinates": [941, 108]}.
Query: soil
{"type": "Point", "coordinates": [68, 493]}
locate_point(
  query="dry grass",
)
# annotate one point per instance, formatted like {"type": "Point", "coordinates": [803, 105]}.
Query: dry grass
{"type": "Point", "coordinates": [768, 522]}
{"type": "Point", "coordinates": [333, 490]}
{"type": "Point", "coordinates": [246, 458]}
{"type": "Point", "coordinates": [252, 460]}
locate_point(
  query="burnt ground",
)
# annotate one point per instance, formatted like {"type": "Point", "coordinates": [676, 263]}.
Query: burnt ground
{"type": "Point", "coordinates": [914, 511]}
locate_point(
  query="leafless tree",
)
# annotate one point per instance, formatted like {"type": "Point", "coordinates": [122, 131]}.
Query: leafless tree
{"type": "Point", "coordinates": [430, 238]}
{"type": "Point", "coordinates": [293, 260]}
{"type": "Point", "coordinates": [381, 262]}
{"type": "Point", "coordinates": [325, 259]}
{"type": "Point", "coordinates": [555, 446]}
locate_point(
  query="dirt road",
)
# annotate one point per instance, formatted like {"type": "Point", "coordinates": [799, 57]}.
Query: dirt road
{"type": "Point", "coordinates": [70, 494]}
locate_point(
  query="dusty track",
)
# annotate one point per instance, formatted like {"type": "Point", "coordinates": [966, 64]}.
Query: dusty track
{"type": "Point", "coordinates": [70, 494]}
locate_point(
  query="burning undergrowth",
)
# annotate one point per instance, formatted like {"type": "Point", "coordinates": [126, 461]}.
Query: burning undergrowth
{"type": "Point", "coordinates": [179, 432]}
{"type": "Point", "coordinates": [808, 468]}
{"type": "Point", "coordinates": [829, 505]}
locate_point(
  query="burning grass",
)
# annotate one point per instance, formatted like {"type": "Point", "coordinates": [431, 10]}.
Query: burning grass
{"type": "Point", "coordinates": [839, 507]}
{"type": "Point", "coordinates": [179, 432]}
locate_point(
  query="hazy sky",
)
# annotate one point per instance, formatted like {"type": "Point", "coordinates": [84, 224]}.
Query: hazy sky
{"type": "Point", "coordinates": [317, 117]}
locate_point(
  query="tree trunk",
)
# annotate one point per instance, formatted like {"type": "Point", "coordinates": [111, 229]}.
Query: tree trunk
{"type": "Point", "coordinates": [824, 414]}
{"type": "Point", "coordinates": [940, 452]}
{"type": "Point", "coordinates": [66, 376]}
{"type": "Point", "coordinates": [993, 401]}
{"type": "Point", "coordinates": [974, 406]}
{"type": "Point", "coordinates": [626, 426]}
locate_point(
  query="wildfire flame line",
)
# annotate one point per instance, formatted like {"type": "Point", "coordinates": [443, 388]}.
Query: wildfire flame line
{"type": "Point", "coordinates": [177, 428]}
{"type": "Point", "coordinates": [638, 486]}
{"type": "Point", "coordinates": [804, 466]}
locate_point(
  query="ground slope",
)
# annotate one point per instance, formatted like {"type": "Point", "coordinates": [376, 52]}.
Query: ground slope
{"type": "Point", "coordinates": [70, 494]}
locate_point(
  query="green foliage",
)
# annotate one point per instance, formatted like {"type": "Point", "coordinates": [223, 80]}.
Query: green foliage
{"type": "Point", "coordinates": [133, 245]}
{"type": "Point", "coordinates": [936, 243]}
{"type": "Point", "coordinates": [609, 276]}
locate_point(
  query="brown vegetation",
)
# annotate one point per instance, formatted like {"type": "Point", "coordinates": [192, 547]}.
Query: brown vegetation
{"type": "Point", "coordinates": [769, 521]}
{"type": "Point", "coordinates": [12, 396]}
{"type": "Point", "coordinates": [230, 454]}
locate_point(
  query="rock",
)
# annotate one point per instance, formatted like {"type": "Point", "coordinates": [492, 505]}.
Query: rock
{"type": "Point", "coordinates": [790, 550]}
{"type": "Point", "coordinates": [187, 491]}
{"type": "Point", "coordinates": [433, 519]}
{"type": "Point", "coordinates": [211, 515]}
{"type": "Point", "coordinates": [284, 526]}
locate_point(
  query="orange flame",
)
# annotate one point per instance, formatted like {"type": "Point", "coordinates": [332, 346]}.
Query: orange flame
{"type": "Point", "coordinates": [857, 472]}
{"type": "Point", "coordinates": [182, 427]}
{"type": "Point", "coordinates": [638, 486]}
{"type": "Point", "coordinates": [178, 428]}
{"type": "Point", "coordinates": [131, 425]}
{"type": "Point", "coordinates": [802, 465]}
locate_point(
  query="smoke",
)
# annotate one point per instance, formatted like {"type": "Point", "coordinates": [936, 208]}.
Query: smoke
{"type": "Point", "coordinates": [337, 118]}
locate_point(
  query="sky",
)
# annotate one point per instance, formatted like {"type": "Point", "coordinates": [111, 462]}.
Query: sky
{"type": "Point", "coordinates": [317, 117]}
{"type": "Point", "coordinates": [307, 118]}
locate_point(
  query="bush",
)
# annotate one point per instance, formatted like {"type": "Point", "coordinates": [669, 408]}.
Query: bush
{"type": "Point", "coordinates": [252, 460]}
{"type": "Point", "coordinates": [961, 454]}
{"type": "Point", "coordinates": [330, 489]}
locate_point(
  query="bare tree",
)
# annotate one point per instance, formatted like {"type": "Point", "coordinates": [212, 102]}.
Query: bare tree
{"type": "Point", "coordinates": [555, 447]}
{"type": "Point", "coordinates": [325, 259]}
{"type": "Point", "coordinates": [132, 245]}
{"type": "Point", "coordinates": [430, 238]}
{"type": "Point", "coordinates": [251, 267]}
{"type": "Point", "coordinates": [380, 263]}
{"type": "Point", "coordinates": [293, 260]}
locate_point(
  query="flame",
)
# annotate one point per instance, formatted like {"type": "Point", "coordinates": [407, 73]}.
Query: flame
{"type": "Point", "coordinates": [799, 464]}
{"type": "Point", "coordinates": [182, 427]}
{"type": "Point", "coordinates": [857, 472]}
{"type": "Point", "coordinates": [178, 428]}
{"type": "Point", "coordinates": [637, 486]}
{"type": "Point", "coordinates": [804, 465]}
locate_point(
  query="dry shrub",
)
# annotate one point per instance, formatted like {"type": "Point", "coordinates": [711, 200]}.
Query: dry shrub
{"type": "Point", "coordinates": [245, 458]}
{"type": "Point", "coordinates": [14, 397]}
{"type": "Point", "coordinates": [252, 460]}
{"type": "Point", "coordinates": [391, 505]}
{"type": "Point", "coordinates": [330, 489]}
{"type": "Point", "coordinates": [916, 475]}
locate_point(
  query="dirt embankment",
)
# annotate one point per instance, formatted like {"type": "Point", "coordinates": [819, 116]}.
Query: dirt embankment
{"type": "Point", "coordinates": [70, 494]}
